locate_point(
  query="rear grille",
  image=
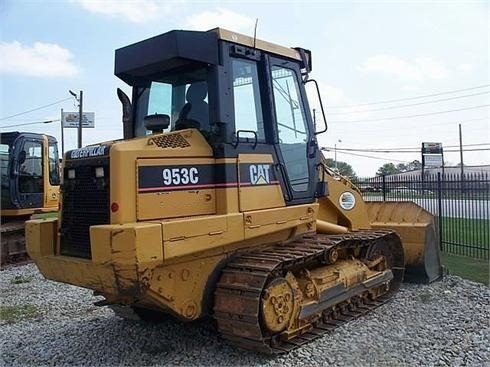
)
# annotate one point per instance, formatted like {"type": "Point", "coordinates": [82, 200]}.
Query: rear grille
{"type": "Point", "coordinates": [85, 203]}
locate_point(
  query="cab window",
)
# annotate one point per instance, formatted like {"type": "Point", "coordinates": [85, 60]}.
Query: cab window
{"type": "Point", "coordinates": [246, 98]}
{"type": "Point", "coordinates": [292, 126]}
{"type": "Point", "coordinates": [54, 173]}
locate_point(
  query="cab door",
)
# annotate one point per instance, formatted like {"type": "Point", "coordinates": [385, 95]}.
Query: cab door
{"type": "Point", "coordinates": [296, 145]}
{"type": "Point", "coordinates": [51, 173]}
{"type": "Point", "coordinates": [29, 173]}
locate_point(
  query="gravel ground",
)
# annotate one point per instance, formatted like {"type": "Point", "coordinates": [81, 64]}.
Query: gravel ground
{"type": "Point", "coordinates": [446, 323]}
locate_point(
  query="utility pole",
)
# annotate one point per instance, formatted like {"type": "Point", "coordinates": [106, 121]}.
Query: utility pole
{"type": "Point", "coordinates": [62, 136]}
{"type": "Point", "coordinates": [80, 119]}
{"type": "Point", "coordinates": [80, 115]}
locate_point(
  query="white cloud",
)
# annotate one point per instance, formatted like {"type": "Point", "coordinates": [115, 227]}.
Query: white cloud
{"type": "Point", "coordinates": [419, 69]}
{"type": "Point", "coordinates": [220, 18]}
{"type": "Point", "coordinates": [136, 11]}
{"type": "Point", "coordinates": [40, 60]}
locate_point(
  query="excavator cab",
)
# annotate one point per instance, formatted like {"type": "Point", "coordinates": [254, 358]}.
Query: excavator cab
{"type": "Point", "coordinates": [30, 184]}
{"type": "Point", "coordinates": [30, 173]}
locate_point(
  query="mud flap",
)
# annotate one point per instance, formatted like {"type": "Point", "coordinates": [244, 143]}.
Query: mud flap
{"type": "Point", "coordinates": [417, 230]}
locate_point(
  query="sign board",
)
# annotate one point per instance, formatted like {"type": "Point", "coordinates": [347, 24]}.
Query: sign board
{"type": "Point", "coordinates": [71, 119]}
{"type": "Point", "coordinates": [433, 160]}
{"type": "Point", "coordinates": [432, 155]}
{"type": "Point", "coordinates": [431, 148]}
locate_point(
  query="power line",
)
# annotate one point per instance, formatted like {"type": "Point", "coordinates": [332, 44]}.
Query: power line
{"type": "Point", "coordinates": [401, 149]}
{"type": "Point", "coordinates": [412, 98]}
{"type": "Point", "coordinates": [404, 151]}
{"type": "Point", "coordinates": [383, 158]}
{"type": "Point", "coordinates": [410, 116]}
{"type": "Point", "coordinates": [373, 157]}
{"type": "Point", "coordinates": [410, 104]}
{"type": "Point", "coordinates": [30, 123]}
{"type": "Point", "coordinates": [35, 109]}
{"type": "Point", "coordinates": [426, 126]}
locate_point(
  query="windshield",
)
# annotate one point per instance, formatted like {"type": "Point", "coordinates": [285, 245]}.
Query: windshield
{"type": "Point", "coordinates": [183, 97]}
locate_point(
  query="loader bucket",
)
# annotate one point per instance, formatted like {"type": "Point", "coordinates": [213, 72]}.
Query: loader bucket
{"type": "Point", "coordinates": [417, 231]}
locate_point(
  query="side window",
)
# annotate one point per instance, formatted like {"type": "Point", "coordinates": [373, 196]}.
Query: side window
{"type": "Point", "coordinates": [31, 168]}
{"type": "Point", "coordinates": [292, 127]}
{"type": "Point", "coordinates": [54, 173]}
{"type": "Point", "coordinates": [246, 97]}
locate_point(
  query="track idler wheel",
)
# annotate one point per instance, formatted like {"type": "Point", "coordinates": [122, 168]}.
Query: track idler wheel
{"type": "Point", "coordinates": [277, 305]}
{"type": "Point", "coordinates": [391, 251]}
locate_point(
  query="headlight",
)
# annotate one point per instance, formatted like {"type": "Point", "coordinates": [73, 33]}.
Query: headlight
{"type": "Point", "coordinates": [99, 172]}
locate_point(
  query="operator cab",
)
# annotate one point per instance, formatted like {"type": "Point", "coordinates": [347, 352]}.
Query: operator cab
{"type": "Point", "coordinates": [24, 157]}
{"type": "Point", "coordinates": [244, 95]}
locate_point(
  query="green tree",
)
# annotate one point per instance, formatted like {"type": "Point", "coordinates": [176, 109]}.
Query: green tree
{"type": "Point", "coordinates": [387, 169]}
{"type": "Point", "coordinates": [413, 165]}
{"type": "Point", "coordinates": [345, 169]}
{"type": "Point", "coordinates": [402, 167]}
{"type": "Point", "coordinates": [391, 169]}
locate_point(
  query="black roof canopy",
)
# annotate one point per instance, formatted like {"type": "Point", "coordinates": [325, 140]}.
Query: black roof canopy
{"type": "Point", "coordinates": [165, 52]}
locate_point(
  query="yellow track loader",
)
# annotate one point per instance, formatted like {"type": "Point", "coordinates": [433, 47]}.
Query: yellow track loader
{"type": "Point", "coordinates": [217, 201]}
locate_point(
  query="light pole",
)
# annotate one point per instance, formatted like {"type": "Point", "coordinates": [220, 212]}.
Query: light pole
{"type": "Point", "coordinates": [80, 115]}
{"type": "Point", "coordinates": [335, 150]}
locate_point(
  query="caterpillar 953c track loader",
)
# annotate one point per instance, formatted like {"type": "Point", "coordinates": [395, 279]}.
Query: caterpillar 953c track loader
{"type": "Point", "coordinates": [217, 201]}
{"type": "Point", "coordinates": [30, 185]}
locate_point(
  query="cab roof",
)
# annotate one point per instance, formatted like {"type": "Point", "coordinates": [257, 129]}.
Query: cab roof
{"type": "Point", "coordinates": [179, 48]}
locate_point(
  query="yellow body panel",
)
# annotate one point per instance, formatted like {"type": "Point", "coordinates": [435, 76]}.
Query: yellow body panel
{"type": "Point", "coordinates": [331, 210]}
{"type": "Point", "coordinates": [192, 235]}
{"type": "Point", "coordinates": [123, 169]}
{"type": "Point", "coordinates": [266, 195]}
{"type": "Point", "coordinates": [172, 204]}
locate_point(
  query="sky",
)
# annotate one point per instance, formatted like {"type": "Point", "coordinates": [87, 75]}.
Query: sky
{"type": "Point", "coordinates": [392, 74]}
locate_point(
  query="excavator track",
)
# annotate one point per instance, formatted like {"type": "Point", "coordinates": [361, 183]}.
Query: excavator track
{"type": "Point", "coordinates": [248, 281]}
{"type": "Point", "coordinates": [13, 248]}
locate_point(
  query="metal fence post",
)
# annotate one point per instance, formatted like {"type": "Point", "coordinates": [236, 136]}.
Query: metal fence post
{"type": "Point", "coordinates": [384, 187]}
{"type": "Point", "coordinates": [439, 208]}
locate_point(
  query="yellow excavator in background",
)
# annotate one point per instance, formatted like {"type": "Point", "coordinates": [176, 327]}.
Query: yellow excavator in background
{"type": "Point", "coordinates": [217, 201]}
{"type": "Point", "coordinates": [30, 185]}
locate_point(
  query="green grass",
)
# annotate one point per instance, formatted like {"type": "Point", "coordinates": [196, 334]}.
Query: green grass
{"type": "Point", "coordinates": [20, 279]}
{"type": "Point", "coordinates": [12, 314]}
{"type": "Point", "coordinates": [473, 232]}
{"type": "Point", "coordinates": [45, 215]}
{"type": "Point", "coordinates": [468, 268]}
